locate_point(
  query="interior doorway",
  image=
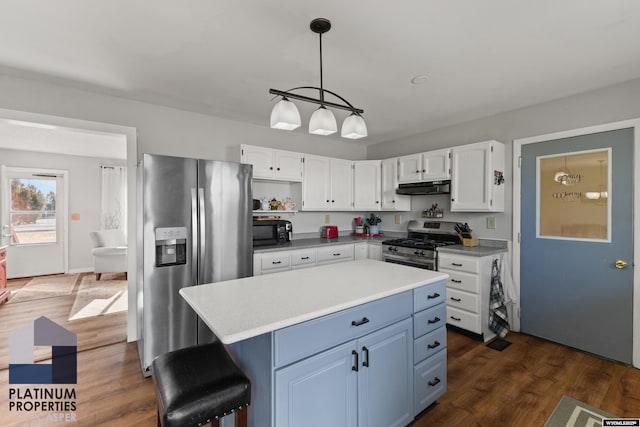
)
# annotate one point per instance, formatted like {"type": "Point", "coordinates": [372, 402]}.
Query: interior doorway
{"type": "Point", "coordinates": [44, 129]}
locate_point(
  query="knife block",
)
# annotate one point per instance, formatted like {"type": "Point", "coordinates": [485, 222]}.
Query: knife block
{"type": "Point", "coordinates": [469, 241]}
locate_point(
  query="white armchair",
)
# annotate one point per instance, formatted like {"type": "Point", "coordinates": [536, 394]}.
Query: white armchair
{"type": "Point", "coordinates": [109, 252]}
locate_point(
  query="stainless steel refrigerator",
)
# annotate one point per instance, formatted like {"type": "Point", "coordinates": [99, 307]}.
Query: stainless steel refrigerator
{"type": "Point", "coordinates": [194, 227]}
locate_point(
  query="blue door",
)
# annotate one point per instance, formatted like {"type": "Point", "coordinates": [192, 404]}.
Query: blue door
{"type": "Point", "coordinates": [576, 277]}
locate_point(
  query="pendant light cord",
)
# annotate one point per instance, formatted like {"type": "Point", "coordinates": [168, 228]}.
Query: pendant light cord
{"type": "Point", "coordinates": [321, 83]}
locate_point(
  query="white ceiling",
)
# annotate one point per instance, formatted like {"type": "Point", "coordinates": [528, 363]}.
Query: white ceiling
{"type": "Point", "coordinates": [221, 57]}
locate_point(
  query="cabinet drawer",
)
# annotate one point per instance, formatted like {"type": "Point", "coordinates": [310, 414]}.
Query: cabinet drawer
{"type": "Point", "coordinates": [463, 300]}
{"type": "Point", "coordinates": [303, 258]}
{"type": "Point", "coordinates": [429, 320]}
{"type": "Point", "coordinates": [335, 253]}
{"type": "Point", "coordinates": [429, 380]}
{"type": "Point", "coordinates": [458, 263]}
{"type": "Point", "coordinates": [463, 281]}
{"type": "Point", "coordinates": [430, 344]}
{"type": "Point", "coordinates": [293, 343]}
{"type": "Point", "coordinates": [428, 296]}
{"type": "Point", "coordinates": [464, 319]}
{"type": "Point", "coordinates": [275, 261]}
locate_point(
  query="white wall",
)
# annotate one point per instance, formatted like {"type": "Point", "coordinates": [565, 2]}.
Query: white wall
{"type": "Point", "coordinates": [610, 104]}
{"type": "Point", "coordinates": [84, 196]}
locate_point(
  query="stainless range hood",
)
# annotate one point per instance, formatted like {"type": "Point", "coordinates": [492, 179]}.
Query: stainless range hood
{"type": "Point", "coordinates": [424, 188]}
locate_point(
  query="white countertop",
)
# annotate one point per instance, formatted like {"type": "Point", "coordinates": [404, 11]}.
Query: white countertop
{"type": "Point", "coordinates": [244, 308]}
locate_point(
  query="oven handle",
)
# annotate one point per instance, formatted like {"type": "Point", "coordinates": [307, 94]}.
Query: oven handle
{"type": "Point", "coordinates": [408, 261]}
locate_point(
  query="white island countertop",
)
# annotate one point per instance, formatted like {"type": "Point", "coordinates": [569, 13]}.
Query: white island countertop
{"type": "Point", "coordinates": [239, 309]}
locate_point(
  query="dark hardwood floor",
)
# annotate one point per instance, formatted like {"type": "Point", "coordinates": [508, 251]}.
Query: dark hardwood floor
{"type": "Point", "coordinates": [519, 386]}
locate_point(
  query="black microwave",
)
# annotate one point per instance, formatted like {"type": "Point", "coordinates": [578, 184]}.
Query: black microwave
{"type": "Point", "coordinates": [271, 232]}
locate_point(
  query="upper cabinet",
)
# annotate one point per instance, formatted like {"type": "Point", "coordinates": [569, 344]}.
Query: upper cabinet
{"type": "Point", "coordinates": [477, 182]}
{"type": "Point", "coordinates": [429, 166]}
{"type": "Point", "coordinates": [327, 184]}
{"type": "Point", "coordinates": [389, 180]}
{"type": "Point", "coordinates": [366, 185]}
{"type": "Point", "coordinates": [273, 164]}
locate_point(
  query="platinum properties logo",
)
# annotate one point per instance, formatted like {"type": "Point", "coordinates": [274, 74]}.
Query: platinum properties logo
{"type": "Point", "coordinates": [51, 404]}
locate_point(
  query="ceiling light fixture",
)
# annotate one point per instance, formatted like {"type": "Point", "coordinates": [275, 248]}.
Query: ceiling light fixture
{"type": "Point", "coordinates": [285, 114]}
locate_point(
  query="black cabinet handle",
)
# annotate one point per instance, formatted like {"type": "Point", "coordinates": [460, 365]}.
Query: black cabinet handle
{"type": "Point", "coordinates": [327, 201]}
{"type": "Point", "coordinates": [365, 362]}
{"type": "Point", "coordinates": [434, 320]}
{"type": "Point", "coordinates": [435, 382]}
{"type": "Point", "coordinates": [355, 366]}
{"type": "Point", "coordinates": [457, 265]}
{"type": "Point", "coordinates": [338, 254]}
{"type": "Point", "coordinates": [417, 171]}
{"type": "Point", "coordinates": [456, 281]}
{"type": "Point", "coordinates": [456, 318]}
{"type": "Point", "coordinates": [333, 201]}
{"type": "Point", "coordinates": [455, 299]}
{"type": "Point", "coordinates": [304, 257]}
{"type": "Point", "coordinates": [360, 323]}
{"type": "Point", "coordinates": [424, 170]}
{"type": "Point", "coordinates": [434, 345]}
{"type": "Point", "coordinates": [278, 169]}
{"type": "Point", "coordinates": [270, 168]}
{"type": "Point", "coordinates": [434, 295]}
{"type": "Point", "coordinates": [276, 262]}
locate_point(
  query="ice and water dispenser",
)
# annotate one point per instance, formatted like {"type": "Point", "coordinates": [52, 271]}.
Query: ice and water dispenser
{"type": "Point", "coordinates": [171, 246]}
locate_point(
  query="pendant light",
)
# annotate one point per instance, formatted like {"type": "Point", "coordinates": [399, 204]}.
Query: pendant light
{"type": "Point", "coordinates": [285, 114]}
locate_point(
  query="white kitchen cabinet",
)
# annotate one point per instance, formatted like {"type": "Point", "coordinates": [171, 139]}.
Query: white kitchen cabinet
{"type": "Point", "coordinates": [429, 166]}
{"type": "Point", "coordinates": [335, 253]}
{"type": "Point", "coordinates": [477, 183]}
{"type": "Point", "coordinates": [389, 184]}
{"type": "Point", "coordinates": [303, 258]}
{"type": "Point", "coordinates": [368, 250]}
{"type": "Point", "coordinates": [273, 164]}
{"type": "Point", "coordinates": [367, 185]}
{"type": "Point", "coordinates": [327, 184]}
{"type": "Point", "coordinates": [468, 291]}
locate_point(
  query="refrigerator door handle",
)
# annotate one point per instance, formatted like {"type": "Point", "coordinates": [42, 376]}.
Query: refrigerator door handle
{"type": "Point", "coordinates": [202, 235]}
{"type": "Point", "coordinates": [194, 237]}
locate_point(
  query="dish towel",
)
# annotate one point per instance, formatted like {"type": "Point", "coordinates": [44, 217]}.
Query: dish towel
{"type": "Point", "coordinates": [498, 317]}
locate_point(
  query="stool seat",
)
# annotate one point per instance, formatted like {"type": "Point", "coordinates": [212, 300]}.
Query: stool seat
{"type": "Point", "coordinates": [197, 385]}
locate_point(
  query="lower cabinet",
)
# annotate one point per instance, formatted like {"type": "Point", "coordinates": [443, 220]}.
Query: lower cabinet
{"type": "Point", "coordinates": [364, 382]}
{"type": "Point", "coordinates": [376, 364]}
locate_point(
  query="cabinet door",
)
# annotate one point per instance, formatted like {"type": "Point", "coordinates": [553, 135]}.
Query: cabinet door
{"type": "Point", "coordinates": [436, 165]}
{"type": "Point", "coordinates": [375, 251]}
{"type": "Point", "coordinates": [318, 391]}
{"type": "Point", "coordinates": [288, 166]}
{"type": "Point", "coordinates": [316, 183]}
{"type": "Point", "coordinates": [341, 185]}
{"type": "Point", "coordinates": [410, 168]}
{"type": "Point", "coordinates": [366, 185]}
{"type": "Point", "coordinates": [389, 182]}
{"type": "Point", "coordinates": [385, 378]}
{"type": "Point", "coordinates": [261, 159]}
{"type": "Point", "coordinates": [361, 251]}
{"type": "Point", "coordinates": [470, 184]}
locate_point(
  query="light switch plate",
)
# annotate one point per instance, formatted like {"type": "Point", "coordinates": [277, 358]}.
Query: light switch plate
{"type": "Point", "coordinates": [398, 219]}
{"type": "Point", "coordinates": [327, 219]}
{"type": "Point", "coordinates": [491, 223]}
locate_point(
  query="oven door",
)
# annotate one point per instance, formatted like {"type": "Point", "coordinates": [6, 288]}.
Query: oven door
{"type": "Point", "coordinates": [424, 263]}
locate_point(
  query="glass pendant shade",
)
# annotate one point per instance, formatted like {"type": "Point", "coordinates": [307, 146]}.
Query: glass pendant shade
{"type": "Point", "coordinates": [322, 122]}
{"type": "Point", "coordinates": [592, 195]}
{"type": "Point", "coordinates": [354, 127]}
{"type": "Point", "coordinates": [285, 115]}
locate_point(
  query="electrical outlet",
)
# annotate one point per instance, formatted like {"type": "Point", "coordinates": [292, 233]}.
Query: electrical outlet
{"type": "Point", "coordinates": [398, 219]}
{"type": "Point", "coordinates": [491, 223]}
{"type": "Point", "coordinates": [327, 219]}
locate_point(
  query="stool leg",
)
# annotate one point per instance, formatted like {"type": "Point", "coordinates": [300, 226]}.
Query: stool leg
{"type": "Point", "coordinates": [241, 417]}
{"type": "Point", "coordinates": [158, 418]}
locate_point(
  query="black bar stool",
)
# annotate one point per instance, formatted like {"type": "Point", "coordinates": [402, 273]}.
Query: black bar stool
{"type": "Point", "coordinates": [198, 385]}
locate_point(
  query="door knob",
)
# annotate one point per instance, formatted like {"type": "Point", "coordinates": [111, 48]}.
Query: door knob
{"type": "Point", "coordinates": [621, 264]}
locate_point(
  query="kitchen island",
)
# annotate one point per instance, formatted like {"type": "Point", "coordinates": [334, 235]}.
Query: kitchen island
{"type": "Point", "coordinates": [357, 343]}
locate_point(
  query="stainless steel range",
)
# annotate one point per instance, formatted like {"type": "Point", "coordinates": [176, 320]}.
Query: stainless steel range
{"type": "Point", "coordinates": [419, 248]}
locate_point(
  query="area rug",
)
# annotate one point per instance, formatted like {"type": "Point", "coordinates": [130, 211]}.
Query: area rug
{"type": "Point", "coordinates": [499, 344]}
{"type": "Point", "coordinates": [571, 412]}
{"type": "Point", "coordinates": [45, 287]}
{"type": "Point", "coordinates": [99, 297]}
